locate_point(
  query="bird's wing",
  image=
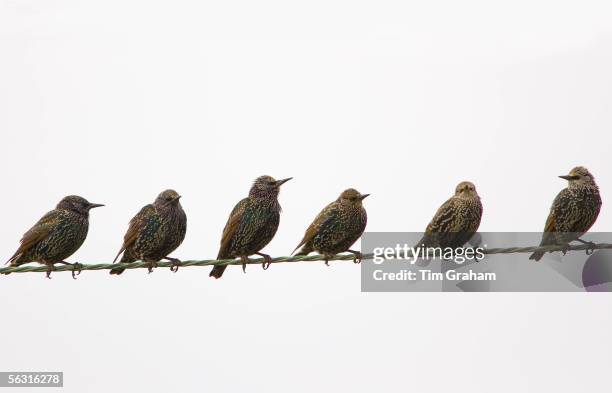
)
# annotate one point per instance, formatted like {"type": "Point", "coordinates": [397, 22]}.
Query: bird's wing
{"type": "Point", "coordinates": [442, 226]}
{"type": "Point", "coordinates": [232, 224]}
{"type": "Point", "coordinates": [550, 222]}
{"type": "Point", "coordinates": [444, 219]}
{"type": "Point", "coordinates": [38, 232]}
{"type": "Point", "coordinates": [135, 226]}
{"type": "Point", "coordinates": [560, 218]}
{"type": "Point", "coordinates": [556, 210]}
{"type": "Point", "coordinates": [325, 214]}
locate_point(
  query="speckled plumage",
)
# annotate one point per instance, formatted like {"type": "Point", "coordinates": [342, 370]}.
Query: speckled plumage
{"type": "Point", "coordinates": [337, 227]}
{"type": "Point", "coordinates": [573, 212]}
{"type": "Point", "coordinates": [156, 231]}
{"type": "Point", "coordinates": [456, 221]}
{"type": "Point", "coordinates": [57, 235]}
{"type": "Point", "coordinates": [252, 223]}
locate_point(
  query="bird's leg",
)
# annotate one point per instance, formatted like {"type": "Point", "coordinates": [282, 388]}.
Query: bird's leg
{"type": "Point", "coordinates": [244, 259]}
{"type": "Point", "coordinates": [326, 259]}
{"type": "Point", "coordinates": [358, 256]}
{"type": "Point", "coordinates": [565, 249]}
{"type": "Point", "coordinates": [50, 268]}
{"type": "Point", "coordinates": [152, 264]}
{"type": "Point", "coordinates": [585, 242]}
{"type": "Point", "coordinates": [267, 260]}
{"type": "Point", "coordinates": [175, 264]}
{"type": "Point", "coordinates": [588, 251]}
{"type": "Point", "coordinates": [76, 267]}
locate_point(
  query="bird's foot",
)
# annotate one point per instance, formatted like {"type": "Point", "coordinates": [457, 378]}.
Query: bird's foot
{"type": "Point", "coordinates": [175, 264]}
{"type": "Point", "coordinates": [244, 260]}
{"type": "Point", "coordinates": [565, 249]}
{"type": "Point", "coordinates": [326, 261]}
{"type": "Point", "coordinates": [267, 261]}
{"type": "Point", "coordinates": [589, 250]}
{"type": "Point", "coordinates": [358, 256]}
{"type": "Point", "coordinates": [151, 266]}
{"type": "Point", "coordinates": [76, 269]}
{"type": "Point", "coordinates": [50, 268]}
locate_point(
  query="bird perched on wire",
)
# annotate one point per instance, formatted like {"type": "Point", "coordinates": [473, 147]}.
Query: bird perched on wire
{"type": "Point", "coordinates": [57, 235]}
{"type": "Point", "coordinates": [337, 227]}
{"type": "Point", "coordinates": [252, 224]}
{"type": "Point", "coordinates": [456, 221]}
{"type": "Point", "coordinates": [156, 231]}
{"type": "Point", "coordinates": [573, 211]}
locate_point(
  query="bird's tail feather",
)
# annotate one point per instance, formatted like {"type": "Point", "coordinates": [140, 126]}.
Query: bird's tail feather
{"type": "Point", "coordinates": [125, 258]}
{"type": "Point", "coordinates": [119, 253]}
{"type": "Point", "coordinates": [307, 249]}
{"type": "Point", "coordinates": [217, 271]}
{"type": "Point", "coordinates": [536, 256]}
{"type": "Point", "coordinates": [14, 260]}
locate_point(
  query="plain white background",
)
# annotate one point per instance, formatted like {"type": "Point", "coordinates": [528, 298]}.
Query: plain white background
{"type": "Point", "coordinates": [118, 100]}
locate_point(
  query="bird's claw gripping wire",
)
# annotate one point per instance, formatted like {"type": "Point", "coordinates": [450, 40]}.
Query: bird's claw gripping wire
{"type": "Point", "coordinates": [151, 265]}
{"type": "Point", "coordinates": [266, 262]}
{"type": "Point", "coordinates": [77, 268]}
{"type": "Point", "coordinates": [175, 264]}
{"type": "Point", "coordinates": [589, 250]}
{"type": "Point", "coordinates": [244, 260]}
{"type": "Point", "coordinates": [50, 268]}
{"type": "Point", "coordinates": [565, 249]}
{"type": "Point", "coordinates": [358, 256]}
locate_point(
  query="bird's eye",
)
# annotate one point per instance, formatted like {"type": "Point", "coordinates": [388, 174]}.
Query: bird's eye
{"type": "Point", "coordinates": [271, 183]}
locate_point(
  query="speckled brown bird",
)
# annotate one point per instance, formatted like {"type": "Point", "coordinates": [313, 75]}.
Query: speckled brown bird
{"type": "Point", "coordinates": [337, 227]}
{"type": "Point", "coordinates": [252, 224]}
{"type": "Point", "coordinates": [456, 221]}
{"type": "Point", "coordinates": [156, 231]}
{"type": "Point", "coordinates": [57, 235]}
{"type": "Point", "coordinates": [573, 211]}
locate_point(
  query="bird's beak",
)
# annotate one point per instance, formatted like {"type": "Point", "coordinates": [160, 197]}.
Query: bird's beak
{"type": "Point", "coordinates": [94, 205]}
{"type": "Point", "coordinates": [569, 177]}
{"type": "Point", "coordinates": [282, 181]}
{"type": "Point", "coordinates": [364, 196]}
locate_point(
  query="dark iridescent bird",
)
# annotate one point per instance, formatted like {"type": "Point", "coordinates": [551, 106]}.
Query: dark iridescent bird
{"type": "Point", "coordinates": [337, 227]}
{"type": "Point", "coordinates": [456, 221]}
{"type": "Point", "coordinates": [57, 235]}
{"type": "Point", "coordinates": [156, 231]}
{"type": "Point", "coordinates": [252, 224]}
{"type": "Point", "coordinates": [573, 211]}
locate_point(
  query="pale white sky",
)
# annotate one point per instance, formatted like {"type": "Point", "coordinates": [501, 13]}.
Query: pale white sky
{"type": "Point", "coordinates": [118, 100]}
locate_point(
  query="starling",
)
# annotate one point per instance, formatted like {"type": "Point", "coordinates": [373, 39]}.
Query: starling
{"type": "Point", "coordinates": [57, 235]}
{"type": "Point", "coordinates": [156, 231]}
{"type": "Point", "coordinates": [337, 227]}
{"type": "Point", "coordinates": [573, 211]}
{"type": "Point", "coordinates": [252, 224]}
{"type": "Point", "coordinates": [456, 221]}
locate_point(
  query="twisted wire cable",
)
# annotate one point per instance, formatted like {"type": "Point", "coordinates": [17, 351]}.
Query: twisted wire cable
{"type": "Point", "coordinates": [301, 258]}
